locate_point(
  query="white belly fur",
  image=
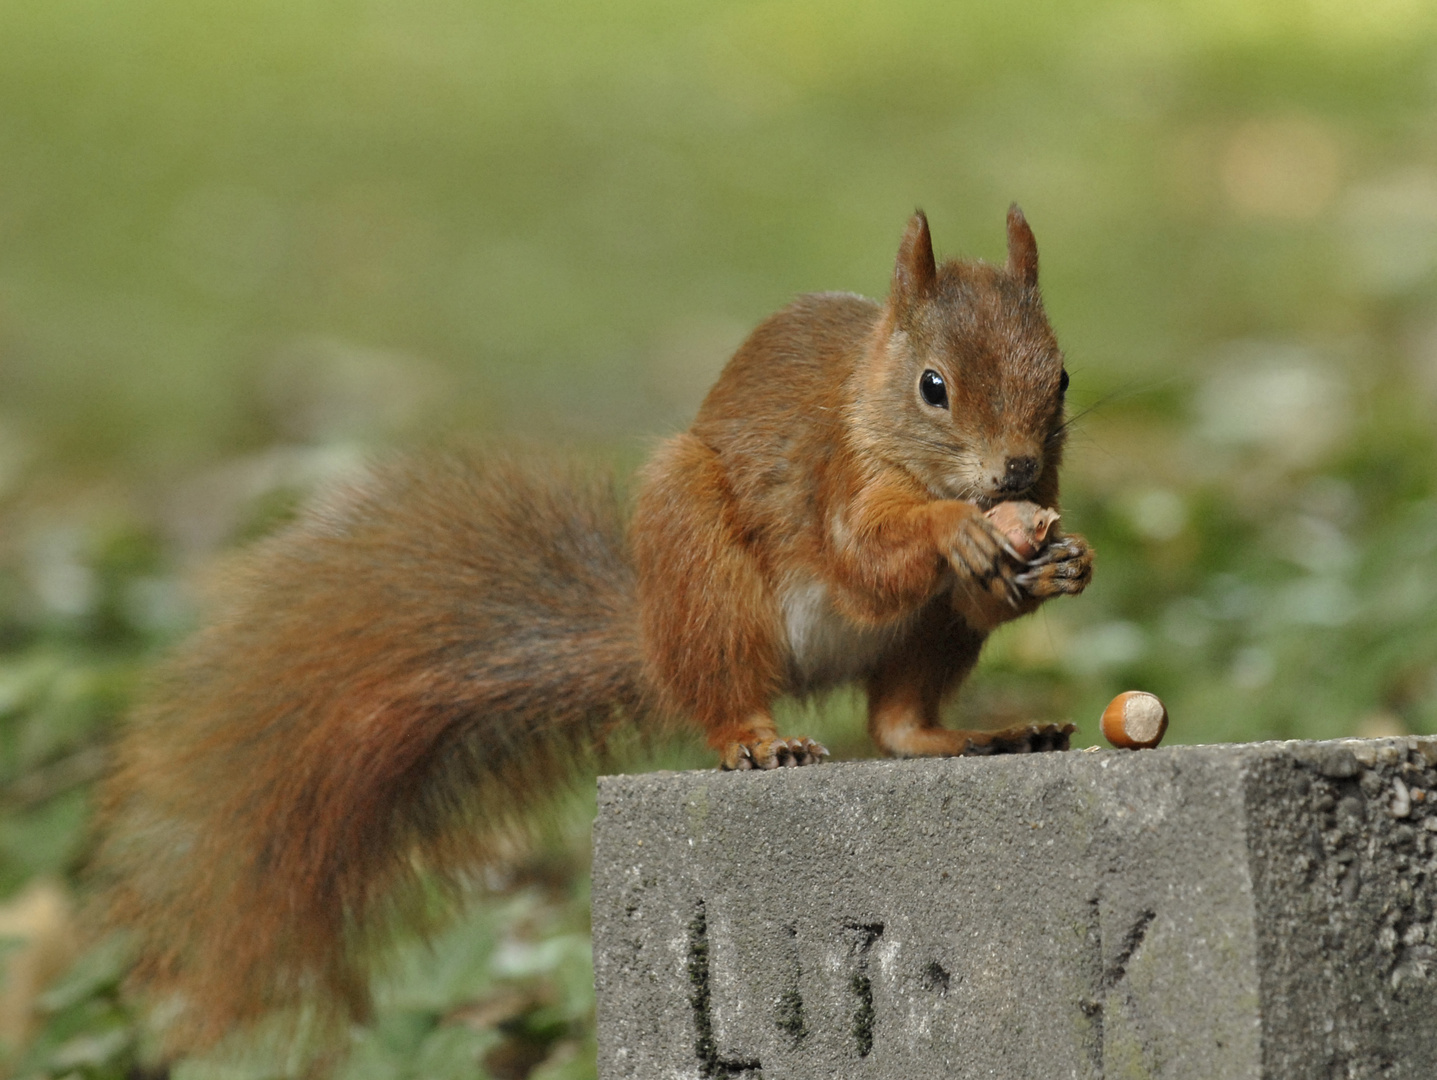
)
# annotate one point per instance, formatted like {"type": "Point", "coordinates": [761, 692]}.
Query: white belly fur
{"type": "Point", "coordinates": [828, 649]}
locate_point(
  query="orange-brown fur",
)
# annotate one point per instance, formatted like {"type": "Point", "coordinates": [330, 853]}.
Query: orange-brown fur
{"type": "Point", "coordinates": [393, 681]}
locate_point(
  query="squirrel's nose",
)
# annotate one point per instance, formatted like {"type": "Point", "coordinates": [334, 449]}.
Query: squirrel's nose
{"type": "Point", "coordinates": [1020, 474]}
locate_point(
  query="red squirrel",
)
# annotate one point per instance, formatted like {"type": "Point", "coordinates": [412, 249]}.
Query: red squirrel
{"type": "Point", "coordinates": [388, 684]}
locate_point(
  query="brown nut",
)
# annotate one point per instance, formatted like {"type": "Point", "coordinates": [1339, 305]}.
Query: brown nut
{"type": "Point", "coordinates": [1135, 720]}
{"type": "Point", "coordinates": [1025, 524]}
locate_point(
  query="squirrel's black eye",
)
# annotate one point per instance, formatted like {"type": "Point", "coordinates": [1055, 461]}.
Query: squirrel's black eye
{"type": "Point", "coordinates": [931, 386]}
{"type": "Point", "coordinates": [1063, 382]}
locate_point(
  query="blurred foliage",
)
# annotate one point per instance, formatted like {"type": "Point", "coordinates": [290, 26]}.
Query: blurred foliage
{"type": "Point", "coordinates": [242, 244]}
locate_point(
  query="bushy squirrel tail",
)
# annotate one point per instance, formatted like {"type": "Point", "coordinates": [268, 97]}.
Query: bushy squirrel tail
{"type": "Point", "coordinates": [387, 687]}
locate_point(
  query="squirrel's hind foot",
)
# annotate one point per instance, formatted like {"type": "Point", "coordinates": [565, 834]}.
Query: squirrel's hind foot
{"type": "Point", "coordinates": [912, 742]}
{"type": "Point", "coordinates": [773, 753]}
{"type": "Point", "coordinates": [1024, 739]}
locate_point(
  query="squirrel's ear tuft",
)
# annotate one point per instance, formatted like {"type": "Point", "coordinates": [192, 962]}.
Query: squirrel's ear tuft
{"type": "Point", "coordinates": [915, 271]}
{"type": "Point", "coordinates": [1022, 248]}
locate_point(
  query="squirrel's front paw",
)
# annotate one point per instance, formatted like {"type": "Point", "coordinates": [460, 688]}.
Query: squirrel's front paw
{"type": "Point", "coordinates": [773, 753]}
{"type": "Point", "coordinates": [984, 560]}
{"type": "Point", "coordinates": [1064, 567]}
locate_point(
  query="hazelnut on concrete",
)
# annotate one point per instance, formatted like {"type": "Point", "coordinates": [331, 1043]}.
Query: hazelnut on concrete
{"type": "Point", "coordinates": [1135, 720]}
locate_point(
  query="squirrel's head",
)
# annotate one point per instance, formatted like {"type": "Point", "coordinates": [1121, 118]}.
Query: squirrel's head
{"type": "Point", "coordinates": [967, 382]}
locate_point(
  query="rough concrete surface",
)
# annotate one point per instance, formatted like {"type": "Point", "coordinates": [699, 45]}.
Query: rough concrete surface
{"type": "Point", "coordinates": [1214, 912]}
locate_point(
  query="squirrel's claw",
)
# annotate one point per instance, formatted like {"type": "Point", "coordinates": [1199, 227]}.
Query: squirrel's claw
{"type": "Point", "coordinates": [1055, 550]}
{"type": "Point", "coordinates": [773, 754]}
{"type": "Point", "coordinates": [1064, 567]}
{"type": "Point", "coordinates": [983, 556]}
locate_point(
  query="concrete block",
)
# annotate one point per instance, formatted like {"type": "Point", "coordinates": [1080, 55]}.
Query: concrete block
{"type": "Point", "coordinates": [1206, 912]}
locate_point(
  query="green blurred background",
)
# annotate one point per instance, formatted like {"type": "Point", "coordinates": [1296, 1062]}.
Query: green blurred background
{"type": "Point", "coordinates": [242, 245]}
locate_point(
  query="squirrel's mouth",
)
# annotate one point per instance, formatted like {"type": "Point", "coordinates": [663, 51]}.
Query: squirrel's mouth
{"type": "Point", "coordinates": [961, 484]}
{"type": "Point", "coordinates": [987, 502]}
{"type": "Point", "coordinates": [966, 493]}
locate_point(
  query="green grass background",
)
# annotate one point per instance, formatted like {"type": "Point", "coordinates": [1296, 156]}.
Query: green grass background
{"type": "Point", "coordinates": [243, 244]}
